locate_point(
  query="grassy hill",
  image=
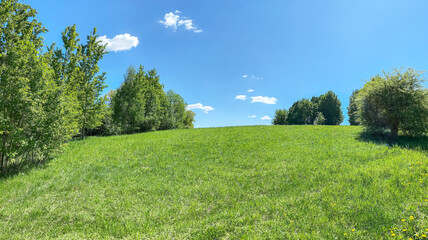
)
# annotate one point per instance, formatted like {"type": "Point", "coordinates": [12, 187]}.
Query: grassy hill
{"type": "Point", "coordinates": [259, 182]}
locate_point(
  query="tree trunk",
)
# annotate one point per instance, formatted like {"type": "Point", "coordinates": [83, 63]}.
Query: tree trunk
{"type": "Point", "coordinates": [394, 130]}
{"type": "Point", "coordinates": [83, 132]}
{"type": "Point", "coordinates": [2, 163]}
{"type": "Point", "coordinates": [83, 126]}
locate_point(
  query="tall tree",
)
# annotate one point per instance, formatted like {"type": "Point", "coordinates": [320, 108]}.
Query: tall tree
{"type": "Point", "coordinates": [30, 102]}
{"type": "Point", "coordinates": [138, 103]}
{"type": "Point", "coordinates": [174, 113]}
{"type": "Point", "coordinates": [301, 113]}
{"type": "Point", "coordinates": [76, 65]}
{"type": "Point", "coordinates": [92, 103]}
{"type": "Point", "coordinates": [353, 109]}
{"type": "Point", "coordinates": [330, 107]}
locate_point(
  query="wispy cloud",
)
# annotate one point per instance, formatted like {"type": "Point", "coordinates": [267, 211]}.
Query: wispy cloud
{"type": "Point", "coordinates": [206, 109]}
{"type": "Point", "coordinates": [266, 100]}
{"type": "Point", "coordinates": [250, 90]}
{"type": "Point", "coordinates": [241, 97]}
{"type": "Point", "coordinates": [265, 118]}
{"type": "Point", "coordinates": [252, 77]}
{"type": "Point", "coordinates": [252, 116]}
{"type": "Point", "coordinates": [173, 20]}
{"type": "Point", "coordinates": [120, 42]}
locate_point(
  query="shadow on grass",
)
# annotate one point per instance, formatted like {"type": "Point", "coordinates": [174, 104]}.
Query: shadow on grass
{"type": "Point", "coordinates": [416, 143]}
{"type": "Point", "coordinates": [23, 168]}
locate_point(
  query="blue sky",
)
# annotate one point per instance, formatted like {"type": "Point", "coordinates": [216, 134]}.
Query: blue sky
{"type": "Point", "coordinates": [287, 50]}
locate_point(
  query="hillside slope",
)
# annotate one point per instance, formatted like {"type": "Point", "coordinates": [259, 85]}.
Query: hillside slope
{"type": "Point", "coordinates": [258, 182]}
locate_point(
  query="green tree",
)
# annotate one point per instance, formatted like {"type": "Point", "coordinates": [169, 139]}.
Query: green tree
{"type": "Point", "coordinates": [189, 119]}
{"type": "Point", "coordinates": [280, 117]}
{"type": "Point", "coordinates": [31, 117]}
{"type": "Point", "coordinates": [301, 113]}
{"type": "Point", "coordinates": [330, 107]}
{"type": "Point", "coordinates": [395, 101]}
{"type": "Point", "coordinates": [353, 109]}
{"type": "Point", "coordinates": [319, 119]}
{"type": "Point", "coordinates": [77, 65]}
{"type": "Point", "coordinates": [175, 111]}
{"type": "Point", "coordinates": [139, 103]}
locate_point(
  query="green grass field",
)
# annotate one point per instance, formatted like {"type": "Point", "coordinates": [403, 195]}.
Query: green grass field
{"type": "Point", "coordinates": [259, 182]}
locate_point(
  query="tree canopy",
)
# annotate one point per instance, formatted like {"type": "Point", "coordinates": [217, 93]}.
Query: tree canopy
{"type": "Point", "coordinates": [396, 101]}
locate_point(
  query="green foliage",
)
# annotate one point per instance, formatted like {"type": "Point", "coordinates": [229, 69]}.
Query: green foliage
{"type": "Point", "coordinates": [189, 119]}
{"type": "Point", "coordinates": [319, 119]}
{"type": "Point", "coordinates": [353, 109]}
{"type": "Point", "coordinates": [330, 106]}
{"type": "Point", "coordinates": [175, 111]}
{"type": "Point", "coordinates": [306, 112]}
{"type": "Point", "coordinates": [280, 117]}
{"type": "Point", "coordinates": [258, 182]}
{"type": "Point", "coordinates": [301, 113]}
{"type": "Point", "coordinates": [396, 101]}
{"type": "Point", "coordinates": [30, 114]}
{"type": "Point", "coordinates": [141, 105]}
{"type": "Point", "coordinates": [77, 66]}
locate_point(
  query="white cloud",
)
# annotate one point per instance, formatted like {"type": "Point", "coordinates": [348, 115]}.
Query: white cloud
{"type": "Point", "coordinates": [250, 90]}
{"type": "Point", "coordinates": [267, 100]}
{"type": "Point", "coordinates": [241, 97]}
{"type": "Point", "coordinates": [120, 42]}
{"type": "Point", "coordinates": [174, 21]}
{"type": "Point", "coordinates": [252, 116]}
{"type": "Point", "coordinates": [206, 109]}
{"type": "Point", "coordinates": [170, 20]}
{"type": "Point", "coordinates": [265, 118]}
{"type": "Point", "coordinates": [252, 77]}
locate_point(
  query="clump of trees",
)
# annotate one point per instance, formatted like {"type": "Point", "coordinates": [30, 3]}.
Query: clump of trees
{"type": "Point", "coordinates": [140, 104]}
{"type": "Point", "coordinates": [48, 97]}
{"type": "Point", "coordinates": [396, 102]}
{"type": "Point", "coordinates": [322, 110]}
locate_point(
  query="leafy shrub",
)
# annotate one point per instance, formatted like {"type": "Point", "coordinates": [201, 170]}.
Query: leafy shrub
{"type": "Point", "coordinates": [396, 101]}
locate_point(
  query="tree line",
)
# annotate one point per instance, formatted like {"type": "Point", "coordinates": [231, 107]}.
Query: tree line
{"type": "Point", "coordinates": [48, 96]}
{"type": "Point", "coordinates": [392, 103]}
{"type": "Point", "coordinates": [322, 110]}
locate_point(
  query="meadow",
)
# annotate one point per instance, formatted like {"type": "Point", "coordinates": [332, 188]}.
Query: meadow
{"type": "Point", "coordinates": [256, 182]}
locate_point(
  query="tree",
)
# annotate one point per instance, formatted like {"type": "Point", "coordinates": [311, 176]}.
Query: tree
{"type": "Point", "coordinates": [77, 66]}
{"type": "Point", "coordinates": [330, 107]}
{"type": "Point", "coordinates": [189, 119]}
{"type": "Point", "coordinates": [300, 113]}
{"type": "Point", "coordinates": [353, 109]}
{"type": "Point", "coordinates": [395, 101]}
{"type": "Point", "coordinates": [175, 111]}
{"type": "Point", "coordinates": [280, 117]}
{"type": "Point", "coordinates": [31, 116]}
{"type": "Point", "coordinates": [139, 103]}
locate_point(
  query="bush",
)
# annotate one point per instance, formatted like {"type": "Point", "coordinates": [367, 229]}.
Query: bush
{"type": "Point", "coordinates": [396, 101]}
{"type": "Point", "coordinates": [280, 117]}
